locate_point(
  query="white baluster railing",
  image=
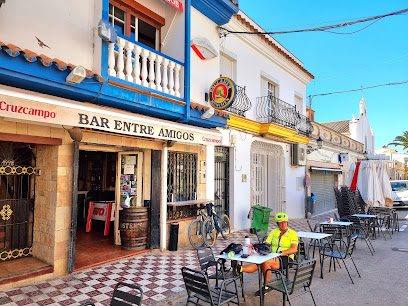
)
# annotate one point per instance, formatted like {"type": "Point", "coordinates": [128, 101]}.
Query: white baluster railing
{"type": "Point", "coordinates": [134, 63]}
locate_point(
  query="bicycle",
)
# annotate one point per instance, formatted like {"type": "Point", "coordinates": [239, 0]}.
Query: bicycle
{"type": "Point", "coordinates": [195, 230]}
{"type": "Point", "coordinates": [215, 224]}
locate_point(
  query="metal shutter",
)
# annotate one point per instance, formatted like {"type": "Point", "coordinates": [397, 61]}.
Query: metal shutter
{"type": "Point", "coordinates": [322, 187]}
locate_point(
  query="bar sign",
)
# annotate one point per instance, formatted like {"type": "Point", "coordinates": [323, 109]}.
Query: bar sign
{"type": "Point", "coordinates": [177, 4]}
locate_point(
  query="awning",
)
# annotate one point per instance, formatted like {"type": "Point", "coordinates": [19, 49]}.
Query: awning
{"type": "Point", "coordinates": [325, 170]}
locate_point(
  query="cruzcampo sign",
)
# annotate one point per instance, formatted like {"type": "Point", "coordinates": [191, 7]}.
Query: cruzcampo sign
{"type": "Point", "coordinates": [83, 115]}
{"type": "Point", "coordinates": [222, 93]}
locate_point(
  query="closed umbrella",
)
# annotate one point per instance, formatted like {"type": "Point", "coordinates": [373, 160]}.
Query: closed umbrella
{"type": "Point", "coordinates": [368, 183]}
{"type": "Point", "coordinates": [385, 182]}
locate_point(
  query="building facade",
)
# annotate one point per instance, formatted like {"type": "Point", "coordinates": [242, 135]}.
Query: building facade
{"type": "Point", "coordinates": [267, 125]}
{"type": "Point", "coordinates": [328, 165]}
{"type": "Point", "coordinates": [358, 129]}
{"type": "Point", "coordinates": [114, 128]}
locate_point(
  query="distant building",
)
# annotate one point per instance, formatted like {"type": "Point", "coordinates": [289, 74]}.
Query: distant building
{"type": "Point", "coordinates": [358, 129]}
{"type": "Point", "coordinates": [398, 161]}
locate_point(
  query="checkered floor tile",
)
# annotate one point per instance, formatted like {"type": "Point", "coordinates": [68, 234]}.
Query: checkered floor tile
{"type": "Point", "coordinates": [158, 274]}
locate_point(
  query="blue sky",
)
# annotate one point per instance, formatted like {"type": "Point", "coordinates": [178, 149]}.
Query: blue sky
{"type": "Point", "coordinates": [376, 55]}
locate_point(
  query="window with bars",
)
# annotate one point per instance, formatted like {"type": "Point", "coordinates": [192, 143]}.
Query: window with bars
{"type": "Point", "coordinates": [129, 23]}
{"type": "Point", "coordinates": [181, 176]}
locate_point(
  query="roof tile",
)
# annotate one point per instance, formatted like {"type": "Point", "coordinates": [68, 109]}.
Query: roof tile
{"type": "Point", "coordinates": [31, 57]}
{"type": "Point", "coordinates": [342, 126]}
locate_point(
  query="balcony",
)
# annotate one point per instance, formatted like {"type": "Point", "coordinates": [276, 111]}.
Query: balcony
{"type": "Point", "coordinates": [145, 67]}
{"type": "Point", "coordinates": [270, 109]}
{"type": "Point", "coordinates": [241, 104]}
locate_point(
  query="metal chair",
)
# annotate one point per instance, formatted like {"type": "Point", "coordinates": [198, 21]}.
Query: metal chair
{"type": "Point", "coordinates": [198, 287]}
{"type": "Point", "coordinates": [334, 251]}
{"type": "Point", "coordinates": [261, 234]}
{"type": "Point", "coordinates": [207, 260]}
{"type": "Point", "coordinates": [124, 298]}
{"type": "Point", "coordinates": [314, 229]}
{"type": "Point", "coordinates": [358, 230]}
{"type": "Point", "coordinates": [302, 278]}
{"type": "Point", "coordinates": [383, 221]}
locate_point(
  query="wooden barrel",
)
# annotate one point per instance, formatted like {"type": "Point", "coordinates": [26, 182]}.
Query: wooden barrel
{"type": "Point", "coordinates": [134, 228]}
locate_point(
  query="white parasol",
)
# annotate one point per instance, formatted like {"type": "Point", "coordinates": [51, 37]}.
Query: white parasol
{"type": "Point", "coordinates": [385, 182]}
{"type": "Point", "coordinates": [368, 183]}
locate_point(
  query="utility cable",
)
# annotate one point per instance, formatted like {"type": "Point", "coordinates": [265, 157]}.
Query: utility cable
{"type": "Point", "coordinates": [325, 28]}
{"type": "Point", "coordinates": [358, 89]}
{"type": "Point", "coordinates": [362, 69]}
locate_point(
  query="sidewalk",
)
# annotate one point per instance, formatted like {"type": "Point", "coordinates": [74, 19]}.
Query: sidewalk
{"type": "Point", "coordinates": [159, 274]}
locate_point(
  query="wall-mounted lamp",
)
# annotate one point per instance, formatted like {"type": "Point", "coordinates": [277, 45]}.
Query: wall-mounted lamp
{"type": "Point", "coordinates": [319, 142]}
{"type": "Point", "coordinates": [365, 155]}
{"type": "Point", "coordinates": [76, 76]}
{"type": "Point", "coordinates": [75, 133]}
{"type": "Point", "coordinates": [208, 113]}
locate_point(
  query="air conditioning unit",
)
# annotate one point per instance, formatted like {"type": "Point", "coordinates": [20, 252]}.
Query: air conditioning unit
{"type": "Point", "coordinates": [298, 154]}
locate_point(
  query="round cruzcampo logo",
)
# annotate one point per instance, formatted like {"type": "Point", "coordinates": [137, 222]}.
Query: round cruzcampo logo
{"type": "Point", "coordinates": [222, 93]}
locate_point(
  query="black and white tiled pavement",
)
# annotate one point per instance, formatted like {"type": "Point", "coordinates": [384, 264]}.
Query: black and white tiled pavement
{"type": "Point", "coordinates": [159, 274]}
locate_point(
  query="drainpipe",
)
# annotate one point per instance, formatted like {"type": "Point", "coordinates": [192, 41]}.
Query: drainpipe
{"type": "Point", "coordinates": [187, 60]}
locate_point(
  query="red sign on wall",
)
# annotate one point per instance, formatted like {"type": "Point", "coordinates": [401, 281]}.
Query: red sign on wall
{"type": "Point", "coordinates": [177, 4]}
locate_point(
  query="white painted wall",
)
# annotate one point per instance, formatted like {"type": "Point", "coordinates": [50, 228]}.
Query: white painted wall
{"type": "Point", "coordinates": [256, 62]}
{"type": "Point", "coordinates": [65, 26]}
{"type": "Point", "coordinates": [203, 72]}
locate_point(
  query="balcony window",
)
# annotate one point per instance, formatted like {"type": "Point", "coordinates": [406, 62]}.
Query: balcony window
{"type": "Point", "coordinates": [135, 25]}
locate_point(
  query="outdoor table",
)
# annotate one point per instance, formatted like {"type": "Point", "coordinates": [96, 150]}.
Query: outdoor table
{"type": "Point", "coordinates": [315, 236]}
{"type": "Point", "coordinates": [341, 223]}
{"type": "Point", "coordinates": [256, 259]}
{"type": "Point", "coordinates": [362, 216]}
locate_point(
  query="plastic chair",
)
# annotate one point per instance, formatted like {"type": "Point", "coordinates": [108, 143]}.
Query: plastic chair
{"type": "Point", "coordinates": [198, 287]}
{"type": "Point", "coordinates": [207, 260]}
{"type": "Point", "coordinates": [303, 275]}
{"type": "Point", "coordinates": [334, 251]}
{"type": "Point", "coordinates": [123, 298]}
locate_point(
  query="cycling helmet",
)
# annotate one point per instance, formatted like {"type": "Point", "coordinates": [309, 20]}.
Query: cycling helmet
{"type": "Point", "coordinates": [262, 248]}
{"type": "Point", "coordinates": [281, 217]}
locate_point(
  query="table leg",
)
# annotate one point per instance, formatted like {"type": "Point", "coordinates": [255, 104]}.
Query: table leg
{"type": "Point", "coordinates": [261, 297]}
{"type": "Point", "coordinates": [320, 258]}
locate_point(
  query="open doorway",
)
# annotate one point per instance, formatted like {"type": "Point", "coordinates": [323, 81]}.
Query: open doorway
{"type": "Point", "coordinates": [95, 235]}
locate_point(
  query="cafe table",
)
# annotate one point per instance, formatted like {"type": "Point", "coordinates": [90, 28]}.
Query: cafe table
{"type": "Point", "coordinates": [314, 237]}
{"type": "Point", "coordinates": [363, 216]}
{"type": "Point", "coordinates": [257, 259]}
{"type": "Point", "coordinates": [341, 223]}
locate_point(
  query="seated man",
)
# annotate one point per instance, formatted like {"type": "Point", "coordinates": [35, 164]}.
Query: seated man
{"type": "Point", "coordinates": [283, 240]}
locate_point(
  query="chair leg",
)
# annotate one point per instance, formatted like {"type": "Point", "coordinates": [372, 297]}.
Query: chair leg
{"type": "Point", "coordinates": [348, 271]}
{"type": "Point", "coordinates": [314, 302]}
{"type": "Point", "coordinates": [355, 266]}
{"type": "Point", "coordinates": [236, 290]}
{"type": "Point", "coordinates": [241, 279]}
{"type": "Point", "coordinates": [370, 246]}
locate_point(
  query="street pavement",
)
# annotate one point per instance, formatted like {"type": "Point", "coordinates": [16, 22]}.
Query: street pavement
{"type": "Point", "coordinates": [383, 277]}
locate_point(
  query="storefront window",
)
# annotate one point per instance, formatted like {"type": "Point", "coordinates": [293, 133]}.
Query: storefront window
{"type": "Point", "coordinates": [181, 176]}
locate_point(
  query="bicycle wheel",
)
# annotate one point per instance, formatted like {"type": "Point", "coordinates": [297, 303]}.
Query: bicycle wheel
{"type": "Point", "coordinates": [209, 232]}
{"type": "Point", "coordinates": [195, 233]}
{"type": "Point", "coordinates": [225, 226]}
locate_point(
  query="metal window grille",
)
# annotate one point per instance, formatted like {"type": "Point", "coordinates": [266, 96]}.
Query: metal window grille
{"type": "Point", "coordinates": [221, 180]}
{"type": "Point", "coordinates": [181, 176]}
{"type": "Point", "coordinates": [17, 180]}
